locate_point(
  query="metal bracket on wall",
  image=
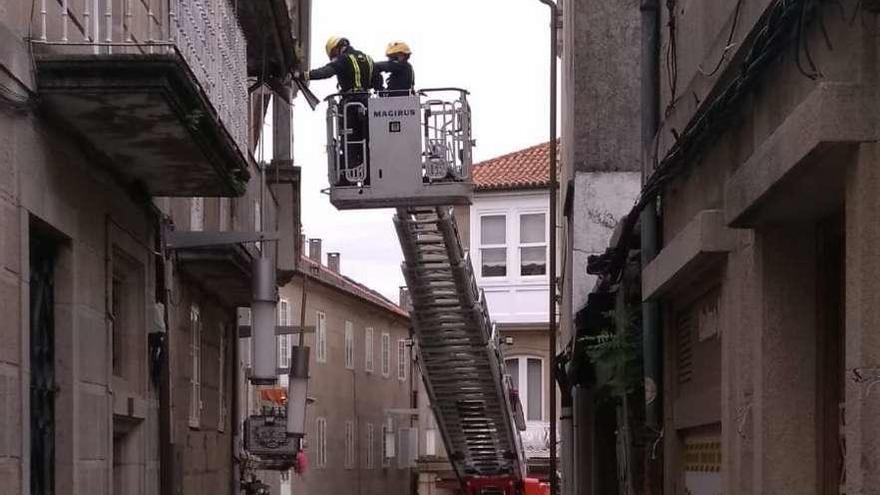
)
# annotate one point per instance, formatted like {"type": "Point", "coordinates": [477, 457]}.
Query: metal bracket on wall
{"type": "Point", "coordinates": [194, 239]}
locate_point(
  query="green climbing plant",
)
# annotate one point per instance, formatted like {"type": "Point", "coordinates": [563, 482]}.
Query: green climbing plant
{"type": "Point", "coordinates": [616, 358]}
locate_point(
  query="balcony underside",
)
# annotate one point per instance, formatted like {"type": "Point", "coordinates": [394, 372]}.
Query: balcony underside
{"type": "Point", "coordinates": [223, 271]}
{"type": "Point", "coordinates": [271, 47]}
{"type": "Point", "coordinates": [149, 118]}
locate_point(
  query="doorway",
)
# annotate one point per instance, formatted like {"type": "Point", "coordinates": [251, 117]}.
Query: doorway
{"type": "Point", "coordinates": [43, 387]}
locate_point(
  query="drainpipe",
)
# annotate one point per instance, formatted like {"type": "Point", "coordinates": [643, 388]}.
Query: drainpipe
{"type": "Point", "coordinates": [650, 96]}
{"type": "Point", "coordinates": [554, 186]}
{"type": "Point", "coordinates": [237, 421]}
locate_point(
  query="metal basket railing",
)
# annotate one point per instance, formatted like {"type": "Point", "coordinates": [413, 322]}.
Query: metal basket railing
{"type": "Point", "coordinates": [446, 137]}
{"type": "Point", "coordinates": [447, 142]}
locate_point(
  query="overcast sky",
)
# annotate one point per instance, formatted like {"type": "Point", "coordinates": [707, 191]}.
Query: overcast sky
{"type": "Point", "coordinates": [497, 49]}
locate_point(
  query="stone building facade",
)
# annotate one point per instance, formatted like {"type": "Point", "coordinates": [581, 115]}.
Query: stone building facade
{"type": "Point", "coordinates": [763, 164]}
{"type": "Point", "coordinates": [360, 429]}
{"type": "Point", "coordinates": [766, 270]}
{"type": "Point", "coordinates": [599, 176]}
{"type": "Point", "coordinates": [116, 363]}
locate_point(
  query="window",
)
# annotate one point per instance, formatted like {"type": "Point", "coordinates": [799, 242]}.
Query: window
{"type": "Point", "coordinates": [320, 442]}
{"type": "Point", "coordinates": [221, 388]}
{"type": "Point", "coordinates": [126, 303]}
{"type": "Point", "coordinates": [197, 214]}
{"type": "Point", "coordinates": [349, 444]}
{"type": "Point", "coordinates": [370, 461]}
{"type": "Point", "coordinates": [224, 214]}
{"type": "Point", "coordinates": [117, 316]}
{"type": "Point", "coordinates": [368, 350]}
{"type": "Point", "coordinates": [321, 338]}
{"type": "Point", "coordinates": [402, 362]}
{"type": "Point", "coordinates": [532, 244]}
{"type": "Point", "coordinates": [349, 345]}
{"type": "Point", "coordinates": [527, 376]}
{"type": "Point", "coordinates": [431, 436]}
{"type": "Point", "coordinates": [284, 341]}
{"type": "Point", "coordinates": [388, 442]}
{"type": "Point", "coordinates": [493, 246]}
{"type": "Point", "coordinates": [195, 394]}
{"type": "Point", "coordinates": [386, 354]}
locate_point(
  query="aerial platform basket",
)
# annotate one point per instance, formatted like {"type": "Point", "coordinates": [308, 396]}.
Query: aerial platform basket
{"type": "Point", "coordinates": [399, 151]}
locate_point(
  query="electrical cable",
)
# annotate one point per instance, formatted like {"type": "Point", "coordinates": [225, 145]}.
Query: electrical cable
{"type": "Point", "coordinates": [671, 58]}
{"type": "Point", "coordinates": [729, 45]}
{"type": "Point", "coordinates": [772, 36]}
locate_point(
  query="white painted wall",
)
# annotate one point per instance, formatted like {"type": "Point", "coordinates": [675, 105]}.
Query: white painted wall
{"type": "Point", "coordinates": [514, 298]}
{"type": "Point", "coordinates": [601, 199]}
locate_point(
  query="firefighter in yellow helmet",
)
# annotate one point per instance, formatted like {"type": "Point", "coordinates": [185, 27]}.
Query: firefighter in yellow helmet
{"type": "Point", "coordinates": [353, 69]}
{"type": "Point", "coordinates": [401, 78]}
{"type": "Point", "coordinates": [355, 77]}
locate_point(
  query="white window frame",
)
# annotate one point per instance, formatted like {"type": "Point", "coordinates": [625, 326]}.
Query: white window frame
{"type": "Point", "coordinates": [223, 213]}
{"type": "Point", "coordinates": [370, 440]}
{"type": "Point", "coordinates": [320, 337]}
{"type": "Point", "coordinates": [284, 341]}
{"type": "Point", "coordinates": [520, 245]}
{"type": "Point", "coordinates": [349, 345]}
{"type": "Point", "coordinates": [368, 350]}
{"type": "Point", "coordinates": [431, 436]}
{"type": "Point", "coordinates": [349, 445]}
{"type": "Point", "coordinates": [506, 246]}
{"type": "Point", "coordinates": [195, 343]}
{"type": "Point", "coordinates": [196, 214]}
{"type": "Point", "coordinates": [320, 443]}
{"type": "Point", "coordinates": [386, 354]}
{"type": "Point", "coordinates": [513, 208]}
{"type": "Point", "coordinates": [221, 389]}
{"type": "Point", "coordinates": [402, 360]}
{"type": "Point", "coordinates": [523, 382]}
{"type": "Point", "coordinates": [389, 441]}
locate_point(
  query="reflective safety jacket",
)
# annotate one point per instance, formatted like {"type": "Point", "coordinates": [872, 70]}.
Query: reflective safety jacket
{"type": "Point", "coordinates": [353, 70]}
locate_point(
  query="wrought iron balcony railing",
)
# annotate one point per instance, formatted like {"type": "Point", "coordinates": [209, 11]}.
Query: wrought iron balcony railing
{"type": "Point", "coordinates": [204, 33]}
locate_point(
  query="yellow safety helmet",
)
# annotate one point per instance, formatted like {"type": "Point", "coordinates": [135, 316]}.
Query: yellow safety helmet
{"type": "Point", "coordinates": [332, 44]}
{"type": "Point", "coordinates": [397, 47]}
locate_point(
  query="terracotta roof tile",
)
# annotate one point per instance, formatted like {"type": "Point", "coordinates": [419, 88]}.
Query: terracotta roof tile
{"type": "Point", "coordinates": [524, 169]}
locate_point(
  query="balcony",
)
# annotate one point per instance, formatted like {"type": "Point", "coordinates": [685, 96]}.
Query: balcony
{"type": "Point", "coordinates": [157, 88]}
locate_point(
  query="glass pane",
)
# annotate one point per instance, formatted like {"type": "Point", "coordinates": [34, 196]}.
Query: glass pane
{"type": "Point", "coordinates": [513, 371]}
{"type": "Point", "coordinates": [493, 229]}
{"type": "Point", "coordinates": [531, 228]}
{"type": "Point", "coordinates": [533, 261]}
{"type": "Point", "coordinates": [535, 382]}
{"type": "Point", "coordinates": [494, 262]}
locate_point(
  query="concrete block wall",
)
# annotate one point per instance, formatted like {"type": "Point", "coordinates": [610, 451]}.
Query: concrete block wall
{"type": "Point", "coordinates": [769, 325]}
{"type": "Point", "coordinates": [601, 154]}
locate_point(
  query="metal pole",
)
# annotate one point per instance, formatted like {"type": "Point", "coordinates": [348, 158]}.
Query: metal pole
{"type": "Point", "coordinates": [554, 186]}
{"type": "Point", "coordinates": [651, 340]}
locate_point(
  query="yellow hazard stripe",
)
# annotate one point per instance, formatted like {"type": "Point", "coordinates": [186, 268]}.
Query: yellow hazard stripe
{"type": "Point", "coordinates": [357, 72]}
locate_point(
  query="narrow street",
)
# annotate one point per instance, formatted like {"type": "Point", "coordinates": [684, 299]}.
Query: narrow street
{"type": "Point", "coordinates": [495, 247]}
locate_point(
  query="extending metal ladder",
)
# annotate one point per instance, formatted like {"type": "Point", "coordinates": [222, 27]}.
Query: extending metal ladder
{"type": "Point", "coordinates": [458, 348]}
